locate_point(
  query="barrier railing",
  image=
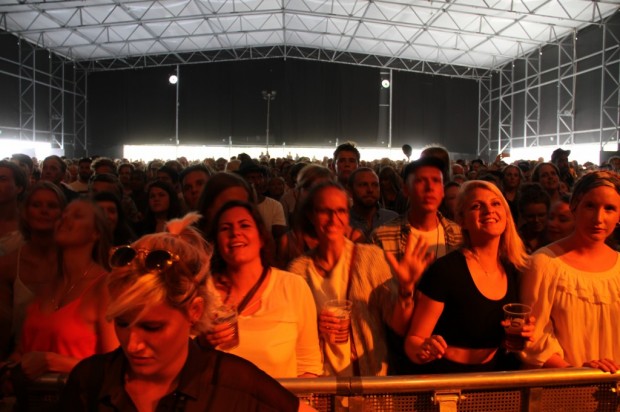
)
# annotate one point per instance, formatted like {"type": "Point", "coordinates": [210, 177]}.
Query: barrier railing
{"type": "Point", "coordinates": [567, 390]}
{"type": "Point", "coordinates": [573, 389]}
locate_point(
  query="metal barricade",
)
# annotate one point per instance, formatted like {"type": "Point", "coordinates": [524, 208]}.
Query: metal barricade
{"type": "Point", "coordinates": [565, 390]}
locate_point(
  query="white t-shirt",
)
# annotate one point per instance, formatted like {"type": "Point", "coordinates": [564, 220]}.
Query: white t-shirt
{"type": "Point", "coordinates": [272, 213]}
{"type": "Point", "coordinates": [281, 337]}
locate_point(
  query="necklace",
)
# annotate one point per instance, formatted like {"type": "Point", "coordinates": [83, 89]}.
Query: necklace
{"type": "Point", "coordinates": [250, 294]}
{"type": "Point", "coordinates": [477, 258]}
{"type": "Point", "coordinates": [57, 303]}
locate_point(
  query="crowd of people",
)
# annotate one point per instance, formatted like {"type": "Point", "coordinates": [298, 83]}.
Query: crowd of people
{"type": "Point", "coordinates": [121, 266]}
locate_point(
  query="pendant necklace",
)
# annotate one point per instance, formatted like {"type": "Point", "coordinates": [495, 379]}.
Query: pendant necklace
{"type": "Point", "coordinates": [56, 303]}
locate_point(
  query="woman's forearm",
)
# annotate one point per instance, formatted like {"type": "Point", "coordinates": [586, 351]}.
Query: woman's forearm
{"type": "Point", "coordinates": [556, 361]}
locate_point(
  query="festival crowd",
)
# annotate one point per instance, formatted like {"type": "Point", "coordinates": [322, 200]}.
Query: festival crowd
{"type": "Point", "coordinates": [176, 285]}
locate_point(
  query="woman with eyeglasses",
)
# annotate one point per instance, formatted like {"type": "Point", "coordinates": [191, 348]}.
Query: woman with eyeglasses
{"type": "Point", "coordinates": [338, 268]}
{"type": "Point", "coordinates": [297, 241]}
{"type": "Point", "coordinates": [276, 313]}
{"type": "Point", "coordinates": [66, 322]}
{"type": "Point", "coordinates": [159, 300]}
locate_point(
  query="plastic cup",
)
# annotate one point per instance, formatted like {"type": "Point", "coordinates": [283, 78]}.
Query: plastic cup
{"type": "Point", "coordinates": [227, 315]}
{"type": "Point", "coordinates": [341, 309]}
{"type": "Point", "coordinates": [518, 314]}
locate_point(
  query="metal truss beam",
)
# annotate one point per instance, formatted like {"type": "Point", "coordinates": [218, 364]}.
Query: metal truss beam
{"type": "Point", "coordinates": [484, 115]}
{"type": "Point", "coordinates": [56, 104]}
{"type": "Point", "coordinates": [285, 52]}
{"type": "Point", "coordinates": [80, 109]}
{"type": "Point", "coordinates": [531, 110]}
{"type": "Point", "coordinates": [27, 90]}
{"type": "Point", "coordinates": [610, 90]}
{"type": "Point", "coordinates": [567, 84]}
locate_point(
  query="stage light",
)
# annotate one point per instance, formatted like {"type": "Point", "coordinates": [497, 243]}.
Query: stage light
{"type": "Point", "coordinates": [173, 79]}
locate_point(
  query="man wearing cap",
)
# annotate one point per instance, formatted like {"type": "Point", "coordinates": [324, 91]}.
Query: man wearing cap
{"type": "Point", "coordinates": [424, 188]}
{"type": "Point", "coordinates": [559, 157]}
{"type": "Point", "coordinates": [270, 210]}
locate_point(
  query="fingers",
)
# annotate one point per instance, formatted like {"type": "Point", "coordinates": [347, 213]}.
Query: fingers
{"type": "Point", "coordinates": [389, 256]}
{"type": "Point", "coordinates": [606, 365]}
{"type": "Point", "coordinates": [432, 348]}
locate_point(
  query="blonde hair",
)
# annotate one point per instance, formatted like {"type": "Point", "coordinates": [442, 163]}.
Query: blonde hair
{"type": "Point", "coordinates": [511, 248]}
{"type": "Point", "coordinates": [134, 288]}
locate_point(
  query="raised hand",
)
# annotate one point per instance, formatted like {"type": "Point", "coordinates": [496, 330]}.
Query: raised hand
{"type": "Point", "coordinates": [414, 262]}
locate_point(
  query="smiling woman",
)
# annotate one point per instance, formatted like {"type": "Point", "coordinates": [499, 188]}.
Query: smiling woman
{"type": "Point", "coordinates": [274, 307]}
{"type": "Point", "coordinates": [159, 297]}
{"type": "Point", "coordinates": [457, 322]}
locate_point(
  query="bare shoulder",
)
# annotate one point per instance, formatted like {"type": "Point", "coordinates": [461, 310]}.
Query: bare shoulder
{"type": "Point", "coordinates": [8, 267]}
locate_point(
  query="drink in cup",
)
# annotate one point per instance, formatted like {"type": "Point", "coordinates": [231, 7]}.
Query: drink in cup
{"type": "Point", "coordinates": [227, 315]}
{"type": "Point", "coordinates": [518, 314]}
{"type": "Point", "coordinates": [341, 309]}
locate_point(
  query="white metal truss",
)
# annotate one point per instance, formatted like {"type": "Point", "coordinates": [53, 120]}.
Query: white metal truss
{"type": "Point", "coordinates": [567, 83]}
{"type": "Point", "coordinates": [27, 91]}
{"type": "Point", "coordinates": [471, 33]}
{"type": "Point", "coordinates": [610, 90]}
{"type": "Point", "coordinates": [498, 103]}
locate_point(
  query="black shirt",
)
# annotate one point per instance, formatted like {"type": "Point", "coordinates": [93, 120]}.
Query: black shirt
{"type": "Point", "coordinates": [209, 381]}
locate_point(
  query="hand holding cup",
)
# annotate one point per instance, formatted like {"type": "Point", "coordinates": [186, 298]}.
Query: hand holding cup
{"type": "Point", "coordinates": [224, 332]}
{"type": "Point", "coordinates": [335, 320]}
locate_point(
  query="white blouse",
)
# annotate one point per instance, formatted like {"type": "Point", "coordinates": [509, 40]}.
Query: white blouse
{"type": "Point", "coordinates": [577, 312]}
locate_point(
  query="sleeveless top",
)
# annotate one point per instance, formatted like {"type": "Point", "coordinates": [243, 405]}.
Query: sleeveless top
{"type": "Point", "coordinates": [22, 296]}
{"type": "Point", "coordinates": [63, 331]}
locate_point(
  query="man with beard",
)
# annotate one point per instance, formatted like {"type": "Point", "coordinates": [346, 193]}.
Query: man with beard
{"type": "Point", "coordinates": [84, 174]}
{"type": "Point", "coordinates": [365, 214]}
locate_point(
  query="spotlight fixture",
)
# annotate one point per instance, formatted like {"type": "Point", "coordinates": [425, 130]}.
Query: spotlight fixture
{"type": "Point", "coordinates": [173, 79]}
{"type": "Point", "coordinates": [385, 83]}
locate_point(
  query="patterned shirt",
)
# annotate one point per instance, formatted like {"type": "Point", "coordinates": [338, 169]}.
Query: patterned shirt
{"type": "Point", "coordinates": [392, 237]}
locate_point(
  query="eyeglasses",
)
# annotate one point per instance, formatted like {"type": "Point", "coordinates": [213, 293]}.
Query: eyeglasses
{"type": "Point", "coordinates": [152, 260]}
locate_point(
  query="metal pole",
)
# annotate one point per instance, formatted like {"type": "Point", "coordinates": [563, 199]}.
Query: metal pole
{"type": "Point", "coordinates": [176, 125]}
{"type": "Point", "coordinates": [268, 114]}
{"type": "Point", "coordinates": [390, 114]}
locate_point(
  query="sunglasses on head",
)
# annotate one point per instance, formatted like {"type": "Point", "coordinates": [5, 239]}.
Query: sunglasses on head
{"type": "Point", "coordinates": [157, 259]}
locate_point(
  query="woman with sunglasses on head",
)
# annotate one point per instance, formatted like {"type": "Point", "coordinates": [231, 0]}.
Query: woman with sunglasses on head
{"type": "Point", "coordinates": [66, 322]}
{"type": "Point", "coordinates": [573, 284]}
{"type": "Point", "coordinates": [159, 299]}
{"type": "Point", "coordinates": [276, 312]}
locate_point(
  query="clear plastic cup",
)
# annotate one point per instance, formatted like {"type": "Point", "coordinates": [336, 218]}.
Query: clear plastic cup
{"type": "Point", "coordinates": [227, 315]}
{"type": "Point", "coordinates": [341, 309]}
{"type": "Point", "coordinates": [518, 314]}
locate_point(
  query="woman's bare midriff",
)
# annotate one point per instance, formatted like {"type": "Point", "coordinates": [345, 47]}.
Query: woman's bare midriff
{"type": "Point", "coordinates": [469, 356]}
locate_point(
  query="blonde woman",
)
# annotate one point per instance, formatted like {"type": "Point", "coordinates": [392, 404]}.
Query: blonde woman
{"type": "Point", "coordinates": [457, 321]}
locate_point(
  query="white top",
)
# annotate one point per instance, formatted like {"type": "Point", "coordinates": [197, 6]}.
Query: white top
{"type": "Point", "coordinates": [281, 337]}
{"type": "Point", "coordinates": [577, 312]}
{"type": "Point", "coordinates": [272, 213]}
{"type": "Point", "coordinates": [337, 356]}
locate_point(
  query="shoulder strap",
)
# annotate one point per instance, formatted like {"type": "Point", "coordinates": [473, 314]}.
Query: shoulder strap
{"type": "Point", "coordinates": [355, 363]}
